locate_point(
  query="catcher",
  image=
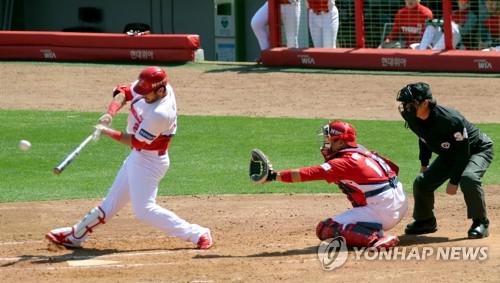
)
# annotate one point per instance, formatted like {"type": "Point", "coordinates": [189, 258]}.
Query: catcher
{"type": "Point", "coordinates": [368, 179]}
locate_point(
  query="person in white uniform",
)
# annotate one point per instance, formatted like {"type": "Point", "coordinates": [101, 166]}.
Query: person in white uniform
{"type": "Point", "coordinates": [323, 23]}
{"type": "Point", "coordinates": [290, 16]}
{"type": "Point", "coordinates": [152, 123]}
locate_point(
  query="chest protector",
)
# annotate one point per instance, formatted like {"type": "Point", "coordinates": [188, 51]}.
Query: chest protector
{"type": "Point", "coordinates": [355, 195]}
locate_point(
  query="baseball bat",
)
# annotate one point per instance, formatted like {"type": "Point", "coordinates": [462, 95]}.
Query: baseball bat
{"type": "Point", "coordinates": [70, 157]}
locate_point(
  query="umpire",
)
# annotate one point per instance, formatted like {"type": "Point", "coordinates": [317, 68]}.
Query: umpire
{"type": "Point", "coordinates": [463, 155]}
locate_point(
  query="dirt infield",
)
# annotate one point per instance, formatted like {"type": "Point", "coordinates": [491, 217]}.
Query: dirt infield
{"type": "Point", "coordinates": [261, 238]}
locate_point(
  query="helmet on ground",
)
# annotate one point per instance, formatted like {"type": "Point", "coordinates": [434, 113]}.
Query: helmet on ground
{"type": "Point", "coordinates": [336, 130]}
{"type": "Point", "coordinates": [150, 79]}
{"type": "Point", "coordinates": [414, 92]}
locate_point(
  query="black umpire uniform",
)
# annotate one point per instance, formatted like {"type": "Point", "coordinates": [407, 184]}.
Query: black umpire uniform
{"type": "Point", "coordinates": [464, 154]}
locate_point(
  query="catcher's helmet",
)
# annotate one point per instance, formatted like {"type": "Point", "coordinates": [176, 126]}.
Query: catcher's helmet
{"type": "Point", "coordinates": [336, 130]}
{"type": "Point", "coordinates": [414, 92]}
{"type": "Point", "coordinates": [150, 79]}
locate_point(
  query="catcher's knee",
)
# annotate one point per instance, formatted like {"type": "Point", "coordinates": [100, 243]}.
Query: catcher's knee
{"type": "Point", "coordinates": [327, 229]}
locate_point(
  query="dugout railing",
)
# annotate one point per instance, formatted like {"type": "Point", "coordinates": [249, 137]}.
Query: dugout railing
{"type": "Point", "coordinates": [365, 25]}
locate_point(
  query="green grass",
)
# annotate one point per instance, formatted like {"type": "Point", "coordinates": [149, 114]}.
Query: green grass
{"type": "Point", "coordinates": [208, 156]}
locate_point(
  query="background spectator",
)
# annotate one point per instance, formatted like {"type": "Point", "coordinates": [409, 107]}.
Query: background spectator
{"type": "Point", "coordinates": [409, 24]}
{"type": "Point", "coordinates": [290, 16]}
{"type": "Point", "coordinates": [323, 23]}
{"type": "Point", "coordinates": [466, 20]}
{"type": "Point", "coordinates": [491, 39]}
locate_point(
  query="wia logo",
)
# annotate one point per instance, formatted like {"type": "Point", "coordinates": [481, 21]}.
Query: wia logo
{"type": "Point", "coordinates": [48, 53]}
{"type": "Point", "coordinates": [306, 60]}
{"type": "Point", "coordinates": [483, 64]}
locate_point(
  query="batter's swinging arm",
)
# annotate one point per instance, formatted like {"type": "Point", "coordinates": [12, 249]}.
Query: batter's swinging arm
{"type": "Point", "coordinates": [72, 156]}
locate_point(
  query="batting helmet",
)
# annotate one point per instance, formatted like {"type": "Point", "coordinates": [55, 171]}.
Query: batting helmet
{"type": "Point", "coordinates": [150, 79]}
{"type": "Point", "coordinates": [336, 130]}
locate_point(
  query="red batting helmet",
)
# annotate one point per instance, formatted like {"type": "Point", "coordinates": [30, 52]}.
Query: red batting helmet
{"type": "Point", "coordinates": [336, 130]}
{"type": "Point", "coordinates": [150, 79]}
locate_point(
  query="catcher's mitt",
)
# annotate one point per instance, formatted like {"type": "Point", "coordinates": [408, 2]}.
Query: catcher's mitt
{"type": "Point", "coordinates": [261, 169]}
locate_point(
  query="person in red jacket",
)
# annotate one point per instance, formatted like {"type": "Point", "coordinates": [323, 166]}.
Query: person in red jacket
{"type": "Point", "coordinates": [409, 24]}
{"type": "Point", "coordinates": [491, 41]}
{"type": "Point", "coordinates": [369, 181]}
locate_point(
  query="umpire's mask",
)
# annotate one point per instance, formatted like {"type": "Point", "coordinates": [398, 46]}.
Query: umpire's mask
{"type": "Point", "coordinates": [411, 96]}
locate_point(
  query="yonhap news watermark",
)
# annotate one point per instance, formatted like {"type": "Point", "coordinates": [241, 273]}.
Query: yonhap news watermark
{"type": "Point", "coordinates": [333, 253]}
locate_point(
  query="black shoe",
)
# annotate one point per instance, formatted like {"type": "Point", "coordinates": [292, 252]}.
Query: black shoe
{"type": "Point", "coordinates": [418, 227]}
{"type": "Point", "coordinates": [479, 229]}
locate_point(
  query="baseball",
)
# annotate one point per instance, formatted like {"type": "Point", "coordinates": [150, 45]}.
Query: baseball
{"type": "Point", "coordinates": [24, 145]}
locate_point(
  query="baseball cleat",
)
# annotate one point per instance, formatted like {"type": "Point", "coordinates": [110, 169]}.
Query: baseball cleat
{"type": "Point", "coordinates": [62, 236]}
{"type": "Point", "coordinates": [205, 241]}
{"type": "Point", "coordinates": [386, 242]}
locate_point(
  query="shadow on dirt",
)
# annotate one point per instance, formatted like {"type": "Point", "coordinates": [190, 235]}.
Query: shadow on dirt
{"type": "Point", "coordinates": [304, 251]}
{"type": "Point", "coordinates": [410, 240]}
{"type": "Point", "coordinates": [77, 254]}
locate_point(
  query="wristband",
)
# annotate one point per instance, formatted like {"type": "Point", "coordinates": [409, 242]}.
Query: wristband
{"type": "Point", "coordinates": [114, 134]}
{"type": "Point", "coordinates": [113, 107]}
{"type": "Point", "coordinates": [286, 176]}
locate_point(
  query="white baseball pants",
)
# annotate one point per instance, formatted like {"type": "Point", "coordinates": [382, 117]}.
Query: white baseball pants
{"type": "Point", "coordinates": [324, 28]}
{"type": "Point", "coordinates": [290, 16]}
{"type": "Point", "coordinates": [387, 208]}
{"type": "Point", "coordinates": [137, 182]}
{"type": "Point", "coordinates": [434, 36]}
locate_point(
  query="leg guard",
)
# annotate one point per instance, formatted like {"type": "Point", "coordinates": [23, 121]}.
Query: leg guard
{"type": "Point", "coordinates": [95, 217]}
{"type": "Point", "coordinates": [73, 237]}
{"type": "Point", "coordinates": [328, 229]}
{"type": "Point", "coordinates": [360, 234]}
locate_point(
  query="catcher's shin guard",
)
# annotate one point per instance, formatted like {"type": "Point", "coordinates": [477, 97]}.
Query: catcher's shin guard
{"type": "Point", "coordinates": [360, 234]}
{"type": "Point", "coordinates": [328, 229]}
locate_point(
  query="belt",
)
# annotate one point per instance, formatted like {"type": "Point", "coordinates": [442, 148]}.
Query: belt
{"type": "Point", "coordinates": [161, 152]}
{"type": "Point", "coordinates": [391, 185]}
{"type": "Point", "coordinates": [320, 12]}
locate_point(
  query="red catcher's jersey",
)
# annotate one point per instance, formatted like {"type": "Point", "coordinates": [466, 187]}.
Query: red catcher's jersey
{"type": "Point", "coordinates": [410, 24]}
{"type": "Point", "coordinates": [352, 166]}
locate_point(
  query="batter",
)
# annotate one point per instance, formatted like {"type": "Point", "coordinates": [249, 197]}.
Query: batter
{"type": "Point", "coordinates": [152, 123]}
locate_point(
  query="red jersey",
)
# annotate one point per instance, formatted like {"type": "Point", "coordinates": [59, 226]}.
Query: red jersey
{"type": "Point", "coordinates": [493, 25]}
{"type": "Point", "coordinates": [409, 24]}
{"type": "Point", "coordinates": [356, 171]}
{"type": "Point", "coordinates": [460, 16]}
{"type": "Point", "coordinates": [356, 165]}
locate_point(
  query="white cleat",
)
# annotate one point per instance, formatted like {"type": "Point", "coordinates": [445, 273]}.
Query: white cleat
{"type": "Point", "coordinates": [205, 241]}
{"type": "Point", "coordinates": [386, 242]}
{"type": "Point", "coordinates": [64, 237]}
